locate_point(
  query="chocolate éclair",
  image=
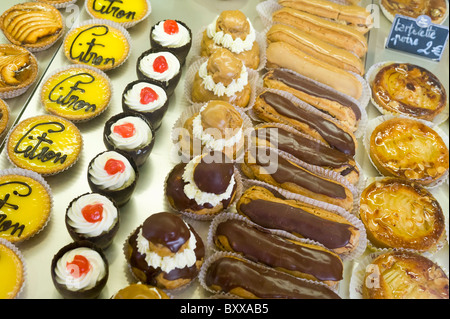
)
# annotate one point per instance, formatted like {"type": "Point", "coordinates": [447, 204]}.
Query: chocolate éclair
{"type": "Point", "coordinates": [273, 107]}
{"type": "Point", "coordinates": [297, 258]}
{"type": "Point", "coordinates": [330, 229]}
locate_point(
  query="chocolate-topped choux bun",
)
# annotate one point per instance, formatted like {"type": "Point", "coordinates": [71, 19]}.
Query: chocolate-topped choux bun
{"type": "Point", "coordinates": [282, 107]}
{"type": "Point", "coordinates": [222, 77]}
{"type": "Point", "coordinates": [306, 149]}
{"type": "Point", "coordinates": [278, 171]}
{"type": "Point", "coordinates": [246, 279]}
{"type": "Point", "coordinates": [234, 31]}
{"type": "Point", "coordinates": [217, 126]}
{"type": "Point", "coordinates": [204, 186]}
{"type": "Point", "coordinates": [300, 259]}
{"type": "Point", "coordinates": [165, 251]}
{"type": "Point", "coordinates": [330, 229]}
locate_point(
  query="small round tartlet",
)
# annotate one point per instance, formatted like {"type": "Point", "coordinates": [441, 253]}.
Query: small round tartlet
{"type": "Point", "coordinates": [76, 93]}
{"type": "Point", "coordinates": [45, 144]}
{"type": "Point", "coordinates": [80, 270]}
{"type": "Point", "coordinates": [113, 174]}
{"type": "Point", "coordinates": [127, 13]}
{"type": "Point", "coordinates": [172, 35]}
{"type": "Point", "coordinates": [140, 291]}
{"type": "Point", "coordinates": [93, 217]}
{"type": "Point", "coordinates": [12, 270]}
{"type": "Point", "coordinates": [147, 97]}
{"type": "Point", "coordinates": [4, 117]}
{"type": "Point", "coordinates": [101, 44]}
{"type": "Point", "coordinates": [165, 251]}
{"type": "Point", "coordinates": [400, 214]}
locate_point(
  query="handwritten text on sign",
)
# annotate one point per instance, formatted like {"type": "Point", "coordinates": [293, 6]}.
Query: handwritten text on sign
{"type": "Point", "coordinates": [418, 36]}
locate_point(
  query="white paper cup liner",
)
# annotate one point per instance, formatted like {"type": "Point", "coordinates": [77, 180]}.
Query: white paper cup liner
{"type": "Point", "coordinates": [370, 77]}
{"type": "Point", "coordinates": [391, 16]}
{"type": "Point", "coordinates": [253, 78]}
{"type": "Point", "coordinates": [109, 23]}
{"type": "Point", "coordinates": [79, 66]}
{"type": "Point", "coordinates": [125, 24]}
{"type": "Point", "coordinates": [373, 123]}
{"type": "Point", "coordinates": [358, 274]}
{"type": "Point", "coordinates": [22, 259]}
{"type": "Point", "coordinates": [64, 4]}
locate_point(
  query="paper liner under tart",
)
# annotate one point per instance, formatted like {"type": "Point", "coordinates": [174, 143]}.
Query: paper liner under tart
{"type": "Point", "coordinates": [69, 106]}
{"type": "Point", "coordinates": [403, 99]}
{"type": "Point", "coordinates": [250, 280]}
{"type": "Point", "coordinates": [399, 214]}
{"type": "Point", "coordinates": [58, 4]}
{"type": "Point", "coordinates": [408, 148]}
{"type": "Point", "coordinates": [390, 13]}
{"type": "Point", "coordinates": [21, 267]}
{"type": "Point", "coordinates": [430, 280]}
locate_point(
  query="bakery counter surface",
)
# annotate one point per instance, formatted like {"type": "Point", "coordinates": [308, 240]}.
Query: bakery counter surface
{"type": "Point", "coordinates": [148, 197]}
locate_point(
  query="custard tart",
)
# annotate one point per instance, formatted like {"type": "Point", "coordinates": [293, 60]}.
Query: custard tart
{"type": "Point", "coordinates": [404, 275]}
{"type": "Point", "coordinates": [33, 25]}
{"type": "Point", "coordinates": [409, 89]}
{"type": "Point", "coordinates": [435, 9]}
{"type": "Point", "coordinates": [408, 148]}
{"type": "Point", "coordinates": [401, 214]}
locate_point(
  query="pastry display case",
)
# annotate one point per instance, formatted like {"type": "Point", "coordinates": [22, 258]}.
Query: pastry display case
{"type": "Point", "coordinates": [148, 195]}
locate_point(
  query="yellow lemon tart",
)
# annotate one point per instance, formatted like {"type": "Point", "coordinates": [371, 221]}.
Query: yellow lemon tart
{"type": "Point", "coordinates": [25, 204]}
{"type": "Point", "coordinates": [76, 93]}
{"type": "Point", "coordinates": [12, 270]}
{"type": "Point", "coordinates": [125, 12]}
{"type": "Point", "coordinates": [400, 214]}
{"type": "Point", "coordinates": [33, 25]}
{"type": "Point", "coordinates": [103, 45]}
{"type": "Point", "coordinates": [45, 144]}
{"type": "Point", "coordinates": [4, 117]}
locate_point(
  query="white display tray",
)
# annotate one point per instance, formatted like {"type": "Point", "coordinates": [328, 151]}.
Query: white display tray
{"type": "Point", "coordinates": [149, 196]}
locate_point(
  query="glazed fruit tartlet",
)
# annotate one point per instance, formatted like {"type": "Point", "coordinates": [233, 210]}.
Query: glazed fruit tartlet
{"type": "Point", "coordinates": [140, 291]}
{"type": "Point", "coordinates": [93, 217]}
{"type": "Point", "coordinates": [101, 44]}
{"type": "Point", "coordinates": [410, 149]}
{"type": "Point", "coordinates": [165, 251]}
{"type": "Point", "coordinates": [401, 214]}
{"type": "Point", "coordinates": [33, 25]}
{"type": "Point", "coordinates": [125, 12]}
{"type": "Point", "coordinates": [27, 204]}
{"type": "Point", "coordinates": [45, 144]}
{"type": "Point", "coordinates": [4, 117]}
{"type": "Point", "coordinates": [18, 70]}
{"type": "Point", "coordinates": [79, 270]}
{"type": "Point", "coordinates": [76, 93]}
{"type": "Point", "coordinates": [435, 9]}
{"type": "Point", "coordinates": [12, 270]}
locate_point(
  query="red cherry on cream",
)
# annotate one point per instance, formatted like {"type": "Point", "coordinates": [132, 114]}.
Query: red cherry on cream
{"type": "Point", "coordinates": [93, 213]}
{"type": "Point", "coordinates": [114, 166]}
{"type": "Point", "coordinates": [160, 64]}
{"type": "Point", "coordinates": [148, 95]}
{"type": "Point", "coordinates": [79, 266]}
{"type": "Point", "coordinates": [171, 27]}
{"type": "Point", "coordinates": [125, 130]}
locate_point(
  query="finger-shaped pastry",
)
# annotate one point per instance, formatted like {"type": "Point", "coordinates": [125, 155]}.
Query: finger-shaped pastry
{"type": "Point", "coordinates": [340, 106]}
{"type": "Point", "coordinates": [306, 149]}
{"type": "Point", "coordinates": [252, 281]}
{"type": "Point", "coordinates": [299, 259]}
{"type": "Point", "coordinates": [234, 31]}
{"type": "Point", "coordinates": [342, 36]}
{"type": "Point", "coordinates": [315, 47]}
{"type": "Point", "coordinates": [222, 77]}
{"type": "Point", "coordinates": [273, 107]}
{"type": "Point", "coordinates": [352, 15]}
{"type": "Point", "coordinates": [282, 173]}
{"type": "Point", "coordinates": [331, 230]}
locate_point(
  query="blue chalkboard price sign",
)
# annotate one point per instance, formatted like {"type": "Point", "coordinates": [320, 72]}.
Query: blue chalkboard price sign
{"type": "Point", "coordinates": [418, 36]}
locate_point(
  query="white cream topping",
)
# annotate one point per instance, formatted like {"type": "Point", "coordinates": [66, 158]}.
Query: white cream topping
{"type": "Point", "coordinates": [175, 40]}
{"type": "Point", "coordinates": [101, 178]}
{"type": "Point", "coordinates": [219, 89]}
{"type": "Point", "coordinates": [231, 136]}
{"type": "Point", "coordinates": [97, 270]}
{"type": "Point", "coordinates": [141, 137]}
{"type": "Point", "coordinates": [185, 258]}
{"type": "Point", "coordinates": [133, 98]}
{"type": "Point", "coordinates": [146, 66]}
{"type": "Point", "coordinates": [89, 229]}
{"type": "Point", "coordinates": [226, 40]}
{"type": "Point", "coordinates": [192, 191]}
